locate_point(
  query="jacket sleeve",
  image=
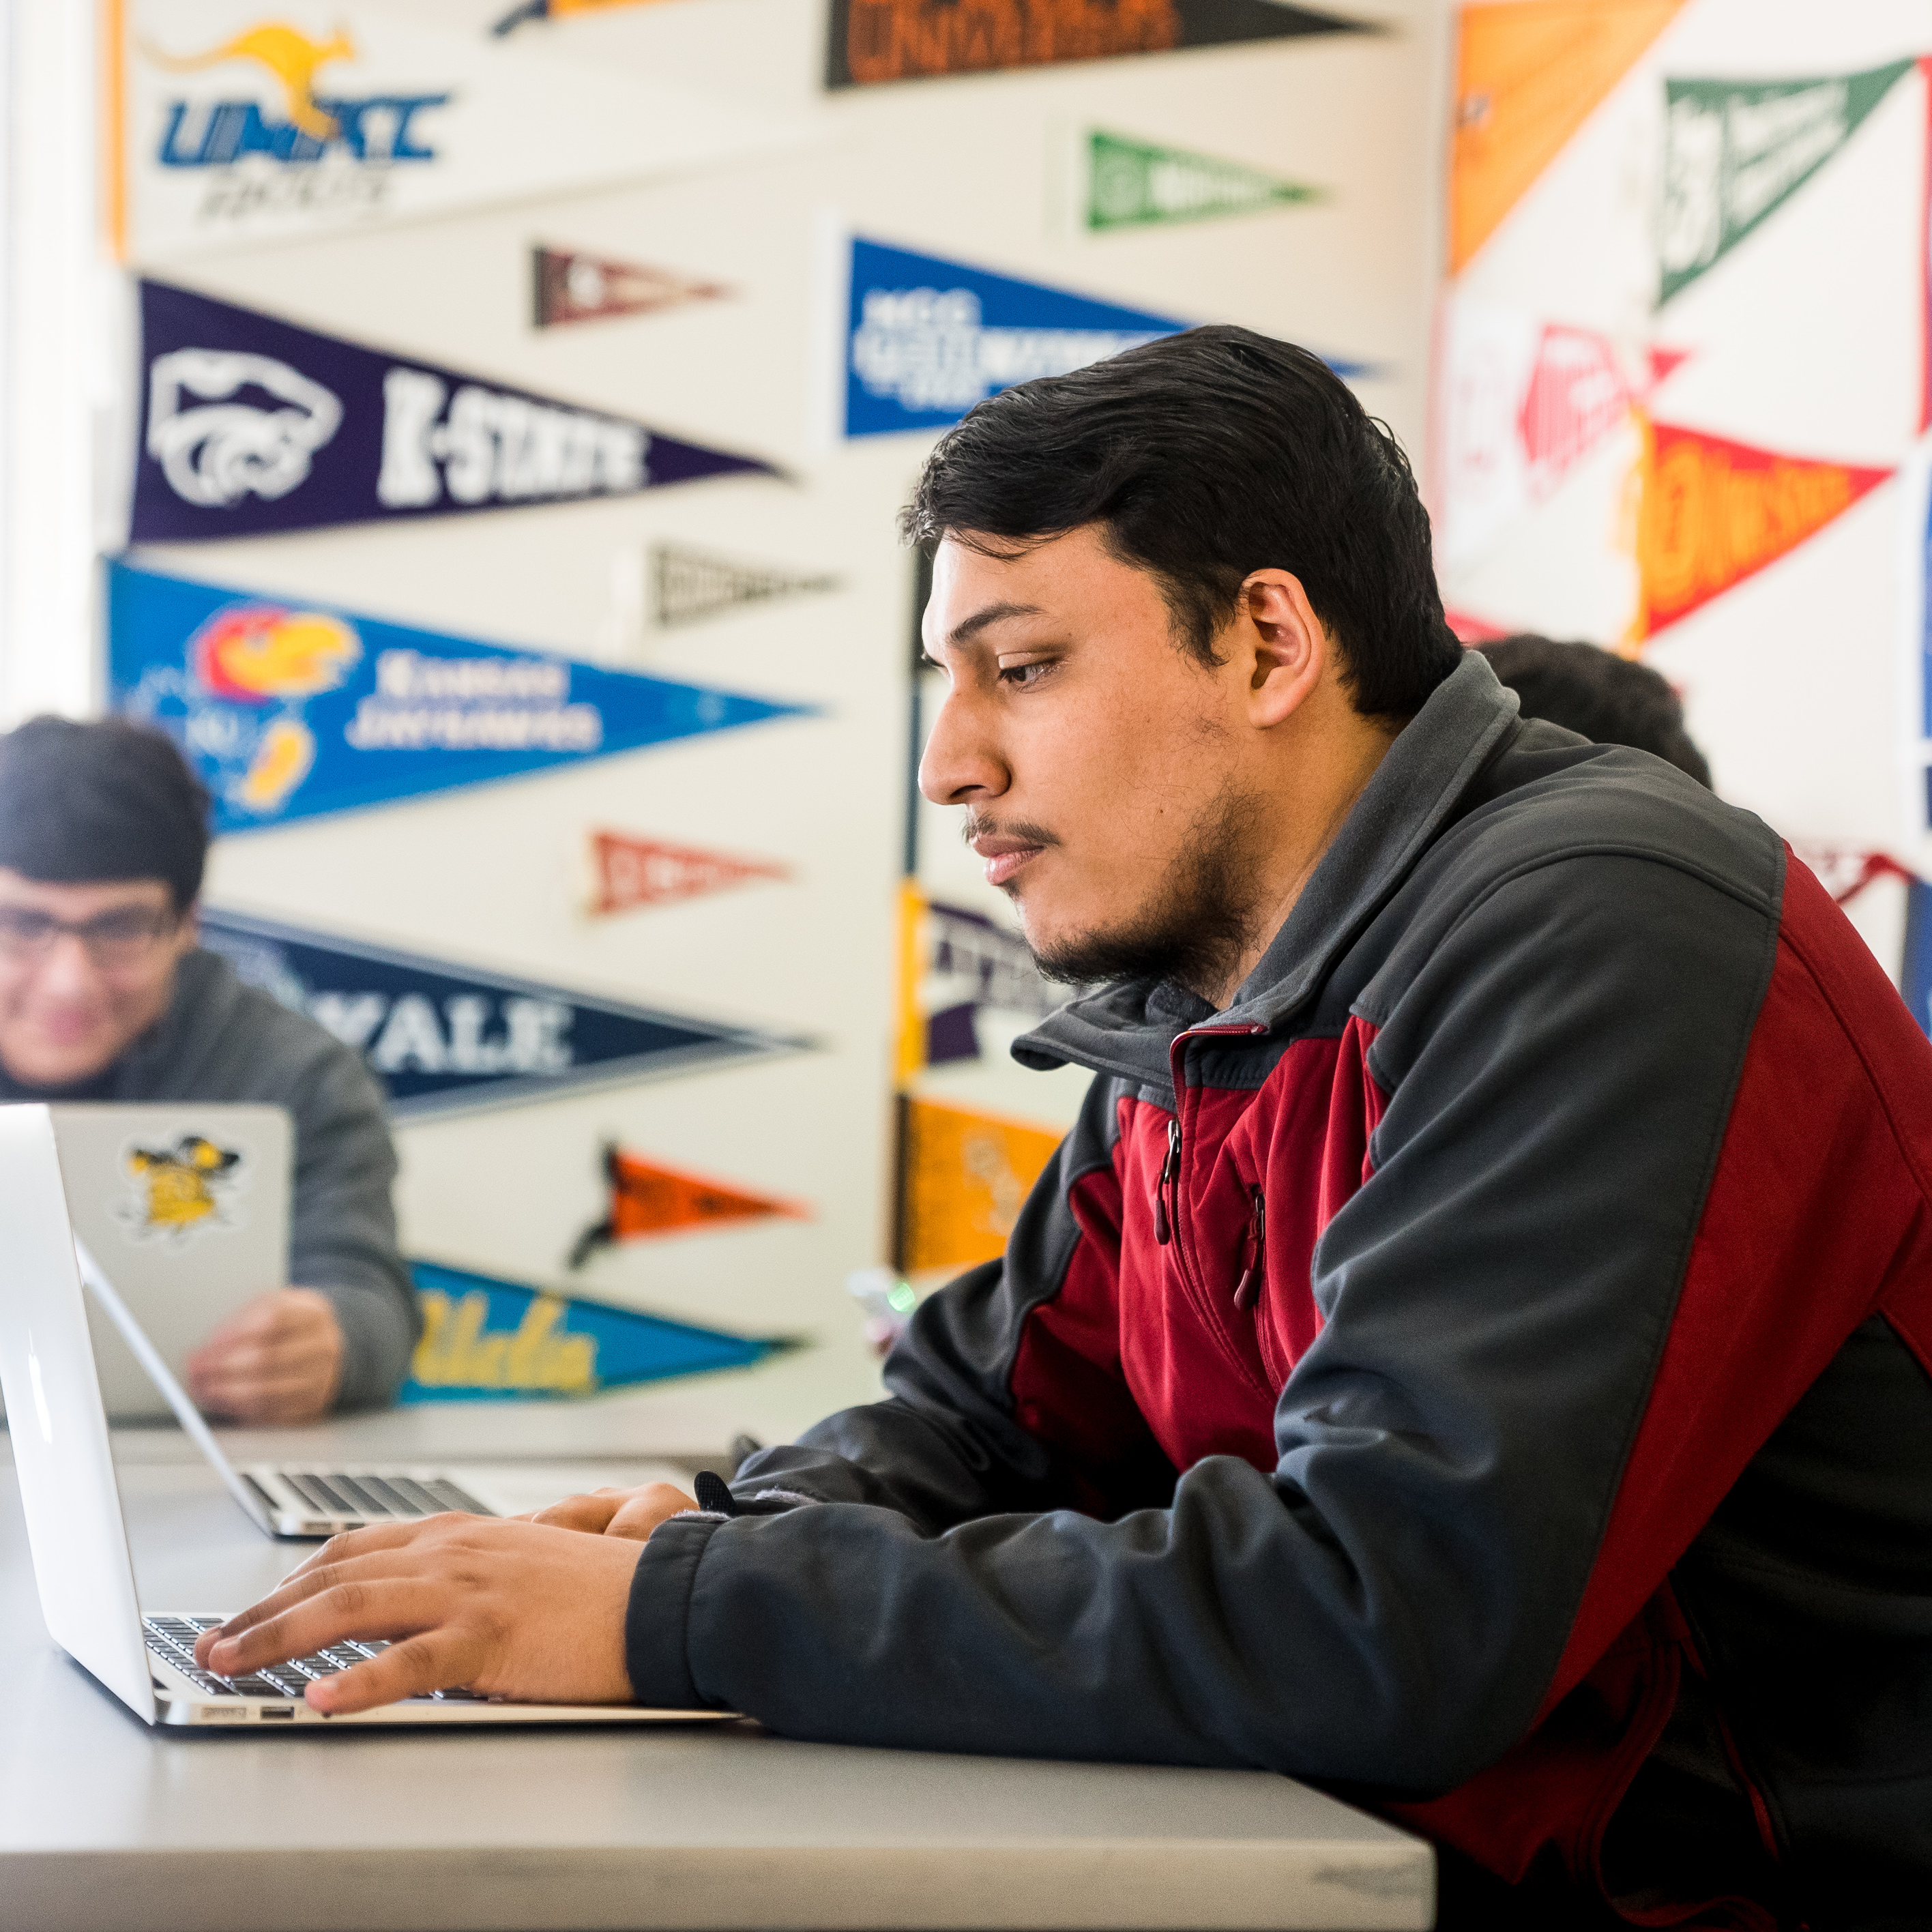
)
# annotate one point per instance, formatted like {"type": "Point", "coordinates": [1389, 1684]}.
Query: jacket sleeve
{"type": "Point", "coordinates": [1388, 1604]}
{"type": "Point", "coordinates": [342, 1226]}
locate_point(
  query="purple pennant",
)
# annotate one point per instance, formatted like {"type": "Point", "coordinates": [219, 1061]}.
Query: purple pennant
{"type": "Point", "coordinates": [249, 425]}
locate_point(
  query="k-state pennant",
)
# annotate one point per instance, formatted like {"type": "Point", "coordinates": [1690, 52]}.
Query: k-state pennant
{"type": "Point", "coordinates": [878, 40]}
{"type": "Point", "coordinates": [1713, 512]}
{"type": "Point", "coordinates": [486, 1340]}
{"type": "Point", "coordinates": [447, 1039]}
{"type": "Point", "coordinates": [251, 425]}
{"type": "Point", "coordinates": [289, 711]}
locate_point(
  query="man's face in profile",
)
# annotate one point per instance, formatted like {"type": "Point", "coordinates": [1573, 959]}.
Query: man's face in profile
{"type": "Point", "coordinates": [85, 971]}
{"type": "Point", "coordinates": [1102, 766]}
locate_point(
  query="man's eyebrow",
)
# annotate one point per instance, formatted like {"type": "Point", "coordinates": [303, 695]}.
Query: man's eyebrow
{"type": "Point", "coordinates": [970, 628]}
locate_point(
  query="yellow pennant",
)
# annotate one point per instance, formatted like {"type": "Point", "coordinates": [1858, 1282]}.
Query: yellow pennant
{"type": "Point", "coordinates": [964, 1177]}
{"type": "Point", "coordinates": [1528, 74]}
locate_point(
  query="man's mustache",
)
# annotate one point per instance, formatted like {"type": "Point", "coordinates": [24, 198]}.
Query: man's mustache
{"type": "Point", "coordinates": [973, 825]}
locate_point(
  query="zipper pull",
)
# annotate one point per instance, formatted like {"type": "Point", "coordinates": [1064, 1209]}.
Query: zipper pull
{"type": "Point", "coordinates": [1247, 1290]}
{"type": "Point", "coordinates": [1163, 1228]}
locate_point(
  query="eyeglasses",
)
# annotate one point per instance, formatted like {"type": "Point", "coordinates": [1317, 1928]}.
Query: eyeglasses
{"type": "Point", "coordinates": [125, 937]}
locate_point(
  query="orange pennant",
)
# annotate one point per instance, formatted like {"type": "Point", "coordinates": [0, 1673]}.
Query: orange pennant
{"type": "Point", "coordinates": [632, 872]}
{"type": "Point", "coordinates": [963, 1176]}
{"type": "Point", "coordinates": [647, 1200]}
{"type": "Point", "coordinates": [1713, 512]}
{"type": "Point", "coordinates": [1529, 73]}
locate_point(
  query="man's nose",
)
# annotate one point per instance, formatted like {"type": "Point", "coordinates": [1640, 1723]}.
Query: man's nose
{"type": "Point", "coordinates": [962, 764]}
{"type": "Point", "coordinates": [68, 968]}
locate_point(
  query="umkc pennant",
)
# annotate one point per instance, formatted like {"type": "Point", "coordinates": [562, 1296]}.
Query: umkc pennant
{"type": "Point", "coordinates": [444, 1039]}
{"type": "Point", "coordinates": [251, 425]}
{"type": "Point", "coordinates": [287, 711]}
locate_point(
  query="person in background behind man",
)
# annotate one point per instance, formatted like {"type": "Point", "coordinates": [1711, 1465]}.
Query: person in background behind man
{"type": "Point", "coordinates": [1600, 696]}
{"type": "Point", "coordinates": [105, 995]}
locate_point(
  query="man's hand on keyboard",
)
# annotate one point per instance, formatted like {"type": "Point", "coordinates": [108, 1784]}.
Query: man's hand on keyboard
{"type": "Point", "coordinates": [634, 1513]}
{"type": "Point", "coordinates": [510, 1608]}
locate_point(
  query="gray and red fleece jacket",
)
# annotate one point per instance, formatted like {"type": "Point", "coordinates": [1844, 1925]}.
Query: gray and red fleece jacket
{"type": "Point", "coordinates": [1486, 1367]}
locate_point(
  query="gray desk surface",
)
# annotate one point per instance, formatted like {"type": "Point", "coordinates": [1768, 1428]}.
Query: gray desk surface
{"type": "Point", "coordinates": [103, 1826]}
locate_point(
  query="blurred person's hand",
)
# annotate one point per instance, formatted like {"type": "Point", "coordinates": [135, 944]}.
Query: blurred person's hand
{"type": "Point", "coordinates": [276, 1360]}
{"type": "Point", "coordinates": [634, 1513]}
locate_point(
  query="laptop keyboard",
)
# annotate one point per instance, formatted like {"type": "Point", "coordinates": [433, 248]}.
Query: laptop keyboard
{"type": "Point", "coordinates": [172, 1639]}
{"type": "Point", "coordinates": [402, 1497]}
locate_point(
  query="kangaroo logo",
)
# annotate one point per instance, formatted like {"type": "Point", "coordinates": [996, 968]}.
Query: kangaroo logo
{"type": "Point", "coordinates": [290, 55]}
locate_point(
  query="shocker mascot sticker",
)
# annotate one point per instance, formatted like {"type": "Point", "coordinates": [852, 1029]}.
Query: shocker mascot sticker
{"type": "Point", "coordinates": [180, 1191]}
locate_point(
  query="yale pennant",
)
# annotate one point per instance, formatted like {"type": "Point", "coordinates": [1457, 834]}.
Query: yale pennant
{"type": "Point", "coordinates": [289, 711]}
{"type": "Point", "coordinates": [251, 425]}
{"type": "Point", "coordinates": [242, 123]}
{"type": "Point", "coordinates": [444, 1039]}
{"type": "Point", "coordinates": [873, 41]}
{"type": "Point", "coordinates": [486, 1340]}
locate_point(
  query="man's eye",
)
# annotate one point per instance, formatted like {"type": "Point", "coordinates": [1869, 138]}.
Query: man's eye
{"type": "Point", "coordinates": [1022, 675]}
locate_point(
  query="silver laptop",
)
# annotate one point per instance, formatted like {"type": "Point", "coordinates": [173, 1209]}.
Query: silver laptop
{"type": "Point", "coordinates": [319, 1500]}
{"type": "Point", "coordinates": [186, 1208]}
{"type": "Point", "coordinates": [75, 1530]}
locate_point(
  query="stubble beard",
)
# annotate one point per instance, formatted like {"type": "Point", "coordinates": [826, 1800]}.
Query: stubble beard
{"type": "Point", "coordinates": [1202, 916]}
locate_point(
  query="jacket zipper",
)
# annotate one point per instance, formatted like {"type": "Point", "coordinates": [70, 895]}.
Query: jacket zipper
{"type": "Point", "coordinates": [1170, 1168]}
{"type": "Point", "coordinates": [1247, 1290]}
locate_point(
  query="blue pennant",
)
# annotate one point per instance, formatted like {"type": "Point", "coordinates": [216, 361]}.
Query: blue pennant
{"type": "Point", "coordinates": [444, 1039]}
{"type": "Point", "coordinates": [289, 709]}
{"type": "Point", "coordinates": [486, 1340]}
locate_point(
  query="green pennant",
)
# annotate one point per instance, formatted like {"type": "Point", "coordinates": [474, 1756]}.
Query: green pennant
{"type": "Point", "coordinates": [1734, 152]}
{"type": "Point", "coordinates": [1133, 184]}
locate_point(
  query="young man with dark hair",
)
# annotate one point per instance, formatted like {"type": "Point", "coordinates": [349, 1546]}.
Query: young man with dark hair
{"type": "Point", "coordinates": [1472, 1349]}
{"type": "Point", "coordinates": [104, 995]}
{"type": "Point", "coordinates": [1600, 696]}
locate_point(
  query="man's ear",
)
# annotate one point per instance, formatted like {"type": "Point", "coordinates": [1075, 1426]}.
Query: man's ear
{"type": "Point", "coordinates": [1289, 647]}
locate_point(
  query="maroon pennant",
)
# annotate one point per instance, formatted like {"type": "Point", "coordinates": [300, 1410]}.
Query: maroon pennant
{"type": "Point", "coordinates": [572, 287]}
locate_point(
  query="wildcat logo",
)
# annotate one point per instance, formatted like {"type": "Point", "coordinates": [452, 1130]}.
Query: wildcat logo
{"type": "Point", "coordinates": [373, 128]}
{"type": "Point", "coordinates": [181, 1190]}
{"type": "Point", "coordinates": [214, 448]}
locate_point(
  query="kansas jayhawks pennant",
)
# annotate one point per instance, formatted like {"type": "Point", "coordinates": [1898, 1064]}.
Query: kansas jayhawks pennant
{"type": "Point", "coordinates": [486, 1340]}
{"type": "Point", "coordinates": [251, 425]}
{"type": "Point", "coordinates": [444, 1038]}
{"type": "Point", "coordinates": [289, 710]}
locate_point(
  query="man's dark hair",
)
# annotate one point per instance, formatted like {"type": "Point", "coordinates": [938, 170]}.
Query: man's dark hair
{"type": "Point", "coordinates": [1598, 695]}
{"type": "Point", "coordinates": [1205, 457]}
{"type": "Point", "coordinates": [105, 800]}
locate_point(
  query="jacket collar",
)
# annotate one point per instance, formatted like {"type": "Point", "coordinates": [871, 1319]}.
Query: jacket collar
{"type": "Point", "coordinates": [1126, 1029]}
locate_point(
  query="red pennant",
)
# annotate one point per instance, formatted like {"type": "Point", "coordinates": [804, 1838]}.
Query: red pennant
{"type": "Point", "coordinates": [1714, 512]}
{"type": "Point", "coordinates": [648, 1200]}
{"type": "Point", "coordinates": [573, 286]}
{"type": "Point", "coordinates": [632, 872]}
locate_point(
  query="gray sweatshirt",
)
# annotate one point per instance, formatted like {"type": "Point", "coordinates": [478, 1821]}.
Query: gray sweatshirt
{"type": "Point", "coordinates": [219, 1040]}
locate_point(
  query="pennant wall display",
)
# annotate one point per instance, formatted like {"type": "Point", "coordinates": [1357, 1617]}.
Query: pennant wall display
{"type": "Point", "coordinates": [569, 285]}
{"type": "Point", "coordinates": [963, 1176]}
{"type": "Point", "coordinates": [1713, 512]}
{"type": "Point", "coordinates": [1529, 73]}
{"type": "Point", "coordinates": [630, 871]}
{"type": "Point", "coordinates": [1734, 152]}
{"type": "Point", "coordinates": [873, 41]}
{"type": "Point", "coordinates": [237, 128]}
{"type": "Point", "coordinates": [251, 425]}
{"type": "Point", "coordinates": [290, 712]}
{"type": "Point", "coordinates": [486, 1340]}
{"type": "Point", "coordinates": [1520, 403]}
{"type": "Point", "coordinates": [926, 339]}
{"type": "Point", "coordinates": [446, 1038]}
{"type": "Point", "coordinates": [688, 586]}
{"type": "Point", "coordinates": [648, 1200]}
{"type": "Point", "coordinates": [1135, 184]}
